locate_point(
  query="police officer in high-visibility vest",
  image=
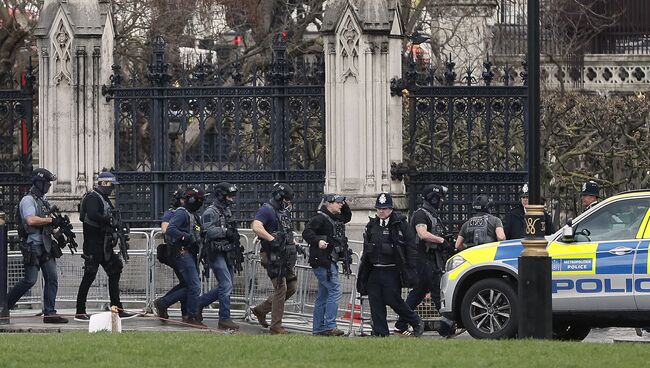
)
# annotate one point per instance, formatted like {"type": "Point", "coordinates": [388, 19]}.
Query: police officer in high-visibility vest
{"type": "Point", "coordinates": [388, 264]}
{"type": "Point", "coordinates": [481, 228]}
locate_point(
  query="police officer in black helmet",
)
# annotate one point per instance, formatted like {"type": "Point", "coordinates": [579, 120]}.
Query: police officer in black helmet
{"type": "Point", "coordinates": [388, 263]}
{"type": "Point", "coordinates": [273, 226]}
{"type": "Point", "coordinates": [482, 227]}
{"type": "Point", "coordinates": [433, 250]}
{"type": "Point", "coordinates": [39, 251]}
{"type": "Point", "coordinates": [221, 242]}
{"type": "Point", "coordinates": [95, 213]}
{"type": "Point", "coordinates": [184, 232]}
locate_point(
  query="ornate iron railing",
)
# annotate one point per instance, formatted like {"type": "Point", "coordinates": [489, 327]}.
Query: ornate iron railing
{"type": "Point", "coordinates": [214, 124]}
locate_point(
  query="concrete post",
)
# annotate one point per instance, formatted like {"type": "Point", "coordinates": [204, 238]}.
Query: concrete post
{"type": "Point", "coordinates": [363, 47]}
{"type": "Point", "coordinates": [75, 44]}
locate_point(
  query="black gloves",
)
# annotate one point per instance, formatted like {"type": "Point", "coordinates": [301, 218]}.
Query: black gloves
{"type": "Point", "coordinates": [57, 222]}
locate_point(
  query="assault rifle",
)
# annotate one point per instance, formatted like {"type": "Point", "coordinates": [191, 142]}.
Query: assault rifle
{"type": "Point", "coordinates": [117, 234]}
{"type": "Point", "coordinates": [344, 252]}
{"type": "Point", "coordinates": [236, 256]}
{"type": "Point", "coordinates": [65, 236]}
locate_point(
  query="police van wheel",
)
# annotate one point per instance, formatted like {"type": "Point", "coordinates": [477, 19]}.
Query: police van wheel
{"type": "Point", "coordinates": [570, 332]}
{"type": "Point", "coordinates": [489, 309]}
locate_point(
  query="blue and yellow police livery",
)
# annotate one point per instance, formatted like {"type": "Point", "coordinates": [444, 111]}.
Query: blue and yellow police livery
{"type": "Point", "coordinates": [601, 275]}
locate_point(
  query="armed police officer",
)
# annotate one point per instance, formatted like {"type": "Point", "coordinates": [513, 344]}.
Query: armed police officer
{"type": "Point", "coordinates": [95, 212]}
{"type": "Point", "coordinates": [325, 234]}
{"type": "Point", "coordinates": [589, 194]}
{"type": "Point", "coordinates": [166, 252]}
{"type": "Point", "coordinates": [274, 228]}
{"type": "Point", "coordinates": [481, 228]}
{"type": "Point", "coordinates": [515, 226]}
{"type": "Point", "coordinates": [222, 250]}
{"type": "Point", "coordinates": [388, 263]}
{"type": "Point", "coordinates": [38, 248]}
{"type": "Point", "coordinates": [433, 250]}
{"type": "Point", "coordinates": [184, 232]}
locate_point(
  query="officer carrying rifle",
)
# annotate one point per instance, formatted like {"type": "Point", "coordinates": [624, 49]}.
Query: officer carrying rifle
{"type": "Point", "coordinates": [103, 230]}
{"type": "Point", "coordinates": [272, 224]}
{"type": "Point", "coordinates": [222, 251]}
{"type": "Point", "coordinates": [325, 234]}
{"type": "Point", "coordinates": [36, 228]}
{"type": "Point", "coordinates": [435, 246]}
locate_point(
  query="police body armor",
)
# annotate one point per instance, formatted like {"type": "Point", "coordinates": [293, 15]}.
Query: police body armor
{"type": "Point", "coordinates": [433, 251]}
{"type": "Point", "coordinates": [477, 227]}
{"type": "Point", "coordinates": [383, 252]}
{"type": "Point", "coordinates": [222, 245]}
{"type": "Point", "coordinates": [339, 237]}
{"type": "Point", "coordinates": [29, 257]}
{"type": "Point", "coordinates": [82, 213]}
{"type": "Point", "coordinates": [284, 254]}
{"type": "Point", "coordinates": [195, 230]}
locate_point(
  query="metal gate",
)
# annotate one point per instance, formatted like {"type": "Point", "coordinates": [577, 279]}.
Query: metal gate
{"type": "Point", "coordinates": [205, 124]}
{"type": "Point", "coordinates": [467, 135]}
{"type": "Point", "coordinates": [16, 135]}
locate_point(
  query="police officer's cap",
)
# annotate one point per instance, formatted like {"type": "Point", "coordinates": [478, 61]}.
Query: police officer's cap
{"type": "Point", "coordinates": [282, 191]}
{"type": "Point", "coordinates": [523, 191]}
{"type": "Point", "coordinates": [226, 189]}
{"type": "Point", "coordinates": [434, 190]}
{"type": "Point", "coordinates": [107, 176]}
{"type": "Point", "coordinates": [590, 188]}
{"type": "Point", "coordinates": [333, 197]}
{"type": "Point", "coordinates": [384, 200]}
{"type": "Point", "coordinates": [41, 174]}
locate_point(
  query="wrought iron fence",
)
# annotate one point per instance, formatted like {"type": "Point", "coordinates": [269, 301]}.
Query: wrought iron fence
{"type": "Point", "coordinates": [204, 124]}
{"type": "Point", "coordinates": [464, 132]}
{"type": "Point", "coordinates": [16, 136]}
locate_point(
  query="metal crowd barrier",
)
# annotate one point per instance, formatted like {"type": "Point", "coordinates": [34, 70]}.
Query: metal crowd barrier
{"type": "Point", "coordinates": [144, 279]}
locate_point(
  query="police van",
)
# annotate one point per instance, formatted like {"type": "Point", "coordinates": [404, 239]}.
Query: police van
{"type": "Point", "coordinates": [601, 275]}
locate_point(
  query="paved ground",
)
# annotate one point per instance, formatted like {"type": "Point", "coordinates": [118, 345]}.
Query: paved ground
{"type": "Point", "coordinates": [28, 321]}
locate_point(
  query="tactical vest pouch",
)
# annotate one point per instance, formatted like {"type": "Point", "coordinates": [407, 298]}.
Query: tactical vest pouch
{"type": "Point", "coordinates": [29, 257]}
{"type": "Point", "coordinates": [165, 253]}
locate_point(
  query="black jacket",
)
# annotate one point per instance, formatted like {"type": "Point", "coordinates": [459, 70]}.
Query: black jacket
{"type": "Point", "coordinates": [515, 227]}
{"type": "Point", "coordinates": [320, 228]}
{"type": "Point", "coordinates": [403, 237]}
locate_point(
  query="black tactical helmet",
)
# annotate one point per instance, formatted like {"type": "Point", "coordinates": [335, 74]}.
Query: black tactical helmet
{"type": "Point", "coordinates": [281, 191]}
{"type": "Point", "coordinates": [434, 190]}
{"type": "Point", "coordinates": [482, 203]}
{"type": "Point", "coordinates": [224, 190]}
{"type": "Point", "coordinates": [176, 197]}
{"type": "Point", "coordinates": [41, 174]}
{"type": "Point", "coordinates": [194, 198]}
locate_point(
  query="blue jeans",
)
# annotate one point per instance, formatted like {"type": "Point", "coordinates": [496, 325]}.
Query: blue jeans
{"type": "Point", "coordinates": [30, 278]}
{"type": "Point", "coordinates": [224, 275]}
{"type": "Point", "coordinates": [327, 299]}
{"type": "Point", "coordinates": [185, 265]}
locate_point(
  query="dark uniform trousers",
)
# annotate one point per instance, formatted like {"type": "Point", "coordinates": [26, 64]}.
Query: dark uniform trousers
{"type": "Point", "coordinates": [384, 289]}
{"type": "Point", "coordinates": [113, 269]}
{"type": "Point", "coordinates": [428, 282]}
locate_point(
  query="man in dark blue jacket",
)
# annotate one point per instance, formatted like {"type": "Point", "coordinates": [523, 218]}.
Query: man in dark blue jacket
{"type": "Point", "coordinates": [184, 231]}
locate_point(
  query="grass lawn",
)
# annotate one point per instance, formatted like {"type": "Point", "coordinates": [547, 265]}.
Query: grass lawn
{"type": "Point", "coordinates": [190, 350]}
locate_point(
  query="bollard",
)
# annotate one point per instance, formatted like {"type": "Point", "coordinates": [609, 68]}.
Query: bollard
{"type": "Point", "coordinates": [4, 312]}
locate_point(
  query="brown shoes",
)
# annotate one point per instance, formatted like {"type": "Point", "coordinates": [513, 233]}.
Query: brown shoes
{"type": "Point", "coordinates": [278, 331]}
{"type": "Point", "coordinates": [261, 318]}
{"type": "Point", "coordinates": [332, 332]}
{"type": "Point", "coordinates": [228, 324]}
